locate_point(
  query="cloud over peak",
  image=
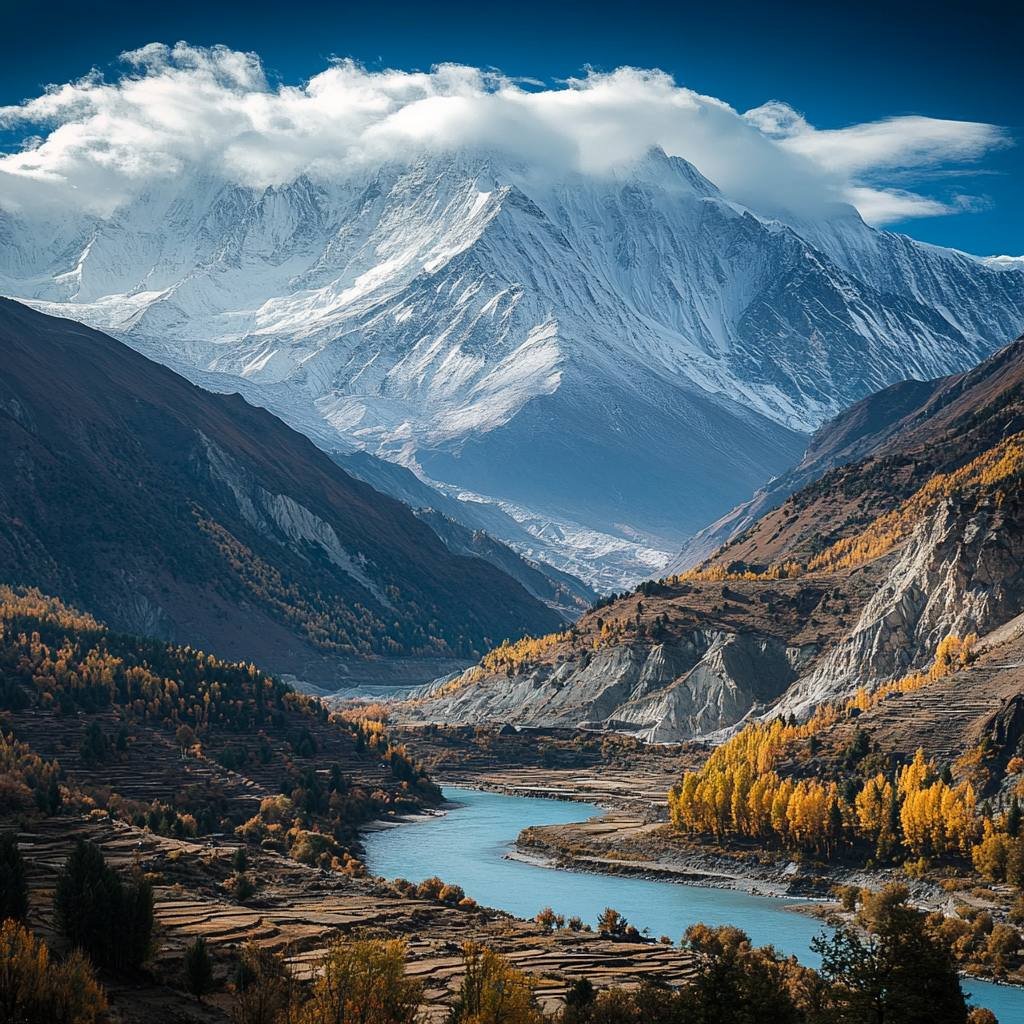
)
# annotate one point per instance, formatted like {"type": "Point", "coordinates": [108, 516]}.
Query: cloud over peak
{"type": "Point", "coordinates": [97, 142]}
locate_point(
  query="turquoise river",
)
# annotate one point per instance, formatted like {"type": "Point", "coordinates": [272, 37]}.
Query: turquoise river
{"type": "Point", "coordinates": [468, 845]}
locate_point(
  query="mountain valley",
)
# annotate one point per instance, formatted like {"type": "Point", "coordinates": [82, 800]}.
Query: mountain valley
{"type": "Point", "coordinates": [851, 582]}
{"type": "Point", "coordinates": [491, 548]}
{"type": "Point", "coordinates": [613, 361]}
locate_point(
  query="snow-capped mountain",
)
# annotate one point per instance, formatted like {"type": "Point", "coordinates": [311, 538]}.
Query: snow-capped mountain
{"type": "Point", "coordinates": [614, 360]}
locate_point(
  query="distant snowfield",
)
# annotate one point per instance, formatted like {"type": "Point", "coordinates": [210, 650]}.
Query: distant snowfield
{"type": "Point", "coordinates": [612, 361]}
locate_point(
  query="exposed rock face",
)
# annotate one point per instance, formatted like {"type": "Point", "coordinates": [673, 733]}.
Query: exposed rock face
{"type": "Point", "coordinates": [663, 692]}
{"type": "Point", "coordinates": [737, 676]}
{"type": "Point", "coordinates": [741, 644]}
{"type": "Point", "coordinates": [283, 518]}
{"type": "Point", "coordinates": [961, 572]}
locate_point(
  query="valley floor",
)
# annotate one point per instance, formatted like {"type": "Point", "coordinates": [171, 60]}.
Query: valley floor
{"type": "Point", "coordinates": [299, 910]}
{"type": "Point", "coordinates": [633, 837]}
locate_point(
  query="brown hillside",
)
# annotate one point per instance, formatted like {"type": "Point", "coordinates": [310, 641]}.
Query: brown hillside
{"type": "Point", "coordinates": [170, 511]}
{"type": "Point", "coordinates": [956, 419]}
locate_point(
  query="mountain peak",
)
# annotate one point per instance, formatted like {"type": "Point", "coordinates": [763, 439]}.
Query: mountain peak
{"type": "Point", "coordinates": [465, 310]}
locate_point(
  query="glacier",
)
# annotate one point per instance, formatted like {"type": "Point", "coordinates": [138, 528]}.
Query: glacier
{"type": "Point", "coordinates": [609, 362]}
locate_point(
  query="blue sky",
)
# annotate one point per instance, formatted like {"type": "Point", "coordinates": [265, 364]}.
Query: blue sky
{"type": "Point", "coordinates": [837, 68]}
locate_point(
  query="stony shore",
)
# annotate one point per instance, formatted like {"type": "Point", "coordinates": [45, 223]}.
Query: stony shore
{"type": "Point", "coordinates": [632, 836]}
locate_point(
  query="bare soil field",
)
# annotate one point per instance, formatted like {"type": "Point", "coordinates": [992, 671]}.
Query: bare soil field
{"type": "Point", "coordinates": [299, 910]}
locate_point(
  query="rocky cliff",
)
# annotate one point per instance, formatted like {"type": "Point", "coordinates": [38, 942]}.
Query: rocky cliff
{"type": "Point", "coordinates": [852, 582]}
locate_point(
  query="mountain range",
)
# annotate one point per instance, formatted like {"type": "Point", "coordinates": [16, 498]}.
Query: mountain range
{"type": "Point", "coordinates": [609, 362]}
{"type": "Point", "coordinates": [903, 534]}
{"type": "Point", "coordinates": [184, 515]}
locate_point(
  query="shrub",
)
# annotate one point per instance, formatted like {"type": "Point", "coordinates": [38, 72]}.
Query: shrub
{"type": "Point", "coordinates": [451, 893]}
{"type": "Point", "coordinates": [547, 919]}
{"type": "Point", "coordinates": [198, 969]}
{"type": "Point", "coordinates": [981, 1015]}
{"type": "Point", "coordinates": [611, 922]}
{"type": "Point", "coordinates": [430, 888]}
{"type": "Point", "coordinates": [34, 990]}
{"type": "Point", "coordinates": [242, 887]}
{"type": "Point", "coordinates": [847, 896]}
{"type": "Point", "coordinates": [313, 848]}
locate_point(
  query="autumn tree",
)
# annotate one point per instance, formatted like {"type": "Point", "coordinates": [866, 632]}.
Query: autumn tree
{"type": "Point", "coordinates": [363, 982]}
{"type": "Point", "coordinates": [35, 990]}
{"type": "Point", "coordinates": [611, 922]}
{"type": "Point", "coordinates": [266, 991]}
{"type": "Point", "coordinates": [549, 920]}
{"type": "Point", "coordinates": [738, 984]}
{"type": "Point", "coordinates": [493, 991]}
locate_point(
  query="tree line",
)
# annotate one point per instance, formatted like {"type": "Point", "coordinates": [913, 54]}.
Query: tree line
{"type": "Point", "coordinates": [913, 810]}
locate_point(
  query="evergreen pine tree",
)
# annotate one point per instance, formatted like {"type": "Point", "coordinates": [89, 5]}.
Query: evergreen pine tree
{"type": "Point", "coordinates": [95, 911]}
{"type": "Point", "coordinates": [13, 884]}
{"type": "Point", "coordinates": [198, 969]}
{"type": "Point", "coordinates": [1013, 819]}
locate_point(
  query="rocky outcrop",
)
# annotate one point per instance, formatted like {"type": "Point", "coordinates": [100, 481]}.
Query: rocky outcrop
{"type": "Point", "coordinates": [762, 644]}
{"type": "Point", "coordinates": [738, 676]}
{"type": "Point", "coordinates": [284, 519]}
{"type": "Point", "coordinates": [662, 692]}
{"type": "Point", "coordinates": [961, 572]}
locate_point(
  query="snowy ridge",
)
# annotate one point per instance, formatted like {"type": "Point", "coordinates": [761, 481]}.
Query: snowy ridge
{"type": "Point", "coordinates": [620, 358]}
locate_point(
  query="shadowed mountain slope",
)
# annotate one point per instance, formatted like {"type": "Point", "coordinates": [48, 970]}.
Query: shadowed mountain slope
{"type": "Point", "coordinates": [171, 511]}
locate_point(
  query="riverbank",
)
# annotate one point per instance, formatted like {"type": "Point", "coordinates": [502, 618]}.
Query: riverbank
{"type": "Point", "coordinates": [476, 845]}
{"type": "Point", "coordinates": [630, 838]}
{"type": "Point", "coordinates": [298, 910]}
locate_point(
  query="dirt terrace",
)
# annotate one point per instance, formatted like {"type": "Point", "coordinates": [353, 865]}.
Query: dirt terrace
{"type": "Point", "coordinates": [299, 910]}
{"type": "Point", "coordinates": [949, 717]}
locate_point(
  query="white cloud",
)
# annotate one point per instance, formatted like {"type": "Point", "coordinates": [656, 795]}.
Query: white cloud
{"type": "Point", "coordinates": [883, 206]}
{"type": "Point", "coordinates": [98, 142]}
{"type": "Point", "coordinates": [861, 154]}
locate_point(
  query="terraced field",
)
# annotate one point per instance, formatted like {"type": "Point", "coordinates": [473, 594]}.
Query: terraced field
{"type": "Point", "coordinates": [950, 716]}
{"type": "Point", "coordinates": [298, 910]}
